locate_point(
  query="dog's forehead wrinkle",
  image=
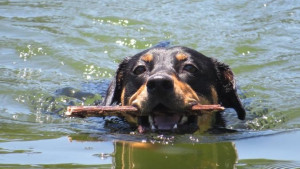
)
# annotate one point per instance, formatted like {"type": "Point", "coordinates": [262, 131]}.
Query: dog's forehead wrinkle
{"type": "Point", "coordinates": [162, 62]}
{"type": "Point", "coordinates": [163, 69]}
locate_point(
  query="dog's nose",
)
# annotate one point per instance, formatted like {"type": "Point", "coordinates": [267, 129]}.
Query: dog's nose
{"type": "Point", "coordinates": [159, 84]}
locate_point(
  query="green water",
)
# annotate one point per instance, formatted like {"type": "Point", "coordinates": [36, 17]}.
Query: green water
{"type": "Point", "coordinates": [53, 53]}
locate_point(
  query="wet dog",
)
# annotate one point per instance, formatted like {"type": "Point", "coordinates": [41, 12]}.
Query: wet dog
{"type": "Point", "coordinates": [165, 82]}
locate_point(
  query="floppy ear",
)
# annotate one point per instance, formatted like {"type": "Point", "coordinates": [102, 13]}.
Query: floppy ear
{"type": "Point", "coordinates": [113, 93]}
{"type": "Point", "coordinates": [227, 90]}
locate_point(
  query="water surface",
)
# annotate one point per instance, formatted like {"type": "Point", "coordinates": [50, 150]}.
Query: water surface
{"type": "Point", "coordinates": [52, 50]}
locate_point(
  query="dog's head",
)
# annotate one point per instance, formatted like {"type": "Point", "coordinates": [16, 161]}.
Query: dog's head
{"type": "Point", "coordinates": [163, 83]}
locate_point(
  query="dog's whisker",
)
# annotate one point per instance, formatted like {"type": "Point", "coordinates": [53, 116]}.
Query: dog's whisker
{"type": "Point", "coordinates": [183, 120]}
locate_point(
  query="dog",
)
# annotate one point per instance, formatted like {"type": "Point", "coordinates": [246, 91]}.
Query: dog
{"type": "Point", "coordinates": [164, 82]}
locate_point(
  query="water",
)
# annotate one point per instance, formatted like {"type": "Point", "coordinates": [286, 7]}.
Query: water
{"type": "Point", "coordinates": [54, 53]}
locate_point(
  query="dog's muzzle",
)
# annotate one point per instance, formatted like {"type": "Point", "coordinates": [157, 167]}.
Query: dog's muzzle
{"type": "Point", "coordinates": [164, 115]}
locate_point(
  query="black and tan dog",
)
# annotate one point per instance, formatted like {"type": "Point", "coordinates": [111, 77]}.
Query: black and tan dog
{"type": "Point", "coordinates": [163, 83]}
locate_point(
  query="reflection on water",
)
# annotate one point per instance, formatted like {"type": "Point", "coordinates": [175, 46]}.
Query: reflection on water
{"type": "Point", "coordinates": [85, 151]}
{"type": "Point", "coordinates": [147, 155]}
{"type": "Point", "coordinates": [120, 154]}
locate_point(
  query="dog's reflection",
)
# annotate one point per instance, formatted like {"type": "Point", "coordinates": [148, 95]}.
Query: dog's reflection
{"type": "Point", "coordinates": [163, 155]}
{"type": "Point", "coordinates": [131, 155]}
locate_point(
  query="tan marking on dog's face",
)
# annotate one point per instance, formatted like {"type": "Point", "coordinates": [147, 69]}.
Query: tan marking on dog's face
{"type": "Point", "coordinates": [214, 95]}
{"type": "Point", "coordinates": [181, 57]}
{"type": "Point", "coordinates": [139, 97]}
{"type": "Point", "coordinates": [182, 97]}
{"type": "Point", "coordinates": [186, 93]}
{"type": "Point", "coordinates": [130, 119]}
{"type": "Point", "coordinates": [205, 122]}
{"type": "Point", "coordinates": [123, 97]}
{"type": "Point", "coordinates": [147, 57]}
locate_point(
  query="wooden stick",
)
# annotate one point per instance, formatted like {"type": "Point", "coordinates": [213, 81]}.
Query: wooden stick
{"type": "Point", "coordinates": [101, 111]}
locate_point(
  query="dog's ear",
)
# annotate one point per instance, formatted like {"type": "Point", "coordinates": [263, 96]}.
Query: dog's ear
{"type": "Point", "coordinates": [227, 89]}
{"type": "Point", "coordinates": [113, 93]}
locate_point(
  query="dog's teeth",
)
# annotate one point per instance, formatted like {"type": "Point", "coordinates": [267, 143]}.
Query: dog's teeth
{"type": "Point", "coordinates": [153, 127]}
{"type": "Point", "coordinates": [175, 126]}
{"type": "Point", "coordinates": [150, 119]}
{"type": "Point", "coordinates": [183, 119]}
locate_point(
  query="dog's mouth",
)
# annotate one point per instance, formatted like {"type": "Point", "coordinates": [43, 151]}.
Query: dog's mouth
{"type": "Point", "coordinates": [163, 118]}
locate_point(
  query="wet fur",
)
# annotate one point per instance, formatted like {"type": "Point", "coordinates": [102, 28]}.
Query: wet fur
{"type": "Point", "coordinates": [213, 84]}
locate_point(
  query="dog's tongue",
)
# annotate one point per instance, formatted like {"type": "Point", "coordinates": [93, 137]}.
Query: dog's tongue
{"type": "Point", "coordinates": [165, 122]}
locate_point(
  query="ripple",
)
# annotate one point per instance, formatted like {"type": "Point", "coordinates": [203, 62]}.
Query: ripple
{"type": "Point", "coordinates": [113, 20]}
{"type": "Point", "coordinates": [50, 46]}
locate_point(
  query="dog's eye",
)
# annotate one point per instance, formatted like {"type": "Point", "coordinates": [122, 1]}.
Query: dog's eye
{"type": "Point", "coordinates": [190, 68]}
{"type": "Point", "coordinates": [139, 70]}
